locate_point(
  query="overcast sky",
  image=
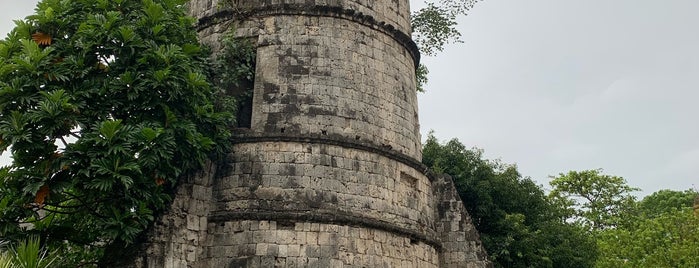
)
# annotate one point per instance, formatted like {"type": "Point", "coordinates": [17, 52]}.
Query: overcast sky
{"type": "Point", "coordinates": [554, 85]}
{"type": "Point", "coordinates": [557, 85]}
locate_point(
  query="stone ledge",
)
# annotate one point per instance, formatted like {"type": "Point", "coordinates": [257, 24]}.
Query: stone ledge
{"type": "Point", "coordinates": [327, 218]}
{"type": "Point", "coordinates": [384, 150]}
{"type": "Point", "coordinates": [316, 10]}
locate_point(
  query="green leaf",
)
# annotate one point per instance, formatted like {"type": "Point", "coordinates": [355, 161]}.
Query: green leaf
{"type": "Point", "coordinates": [157, 29]}
{"type": "Point", "coordinates": [103, 4]}
{"type": "Point", "coordinates": [30, 254]}
{"type": "Point", "coordinates": [14, 130]}
{"type": "Point", "coordinates": [161, 75]}
{"type": "Point", "coordinates": [4, 50]}
{"type": "Point", "coordinates": [191, 49]}
{"type": "Point", "coordinates": [48, 14]}
{"type": "Point", "coordinates": [196, 80]}
{"type": "Point", "coordinates": [127, 33]}
{"type": "Point", "coordinates": [149, 134]}
{"type": "Point", "coordinates": [154, 12]}
{"type": "Point", "coordinates": [109, 129]}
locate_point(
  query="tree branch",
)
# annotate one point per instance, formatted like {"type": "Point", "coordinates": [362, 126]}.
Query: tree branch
{"type": "Point", "coordinates": [65, 144]}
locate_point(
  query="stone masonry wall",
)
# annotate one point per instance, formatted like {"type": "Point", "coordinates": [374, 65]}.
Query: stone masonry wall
{"type": "Point", "coordinates": [324, 181]}
{"type": "Point", "coordinates": [342, 79]}
{"type": "Point", "coordinates": [461, 246]}
{"type": "Point", "coordinates": [390, 12]}
{"type": "Point", "coordinates": [310, 244]}
{"type": "Point", "coordinates": [329, 173]}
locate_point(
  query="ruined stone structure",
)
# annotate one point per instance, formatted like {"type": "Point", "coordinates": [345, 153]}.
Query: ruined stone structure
{"type": "Point", "coordinates": [329, 172]}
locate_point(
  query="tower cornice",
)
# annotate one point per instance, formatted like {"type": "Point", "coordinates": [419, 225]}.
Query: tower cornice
{"type": "Point", "coordinates": [399, 36]}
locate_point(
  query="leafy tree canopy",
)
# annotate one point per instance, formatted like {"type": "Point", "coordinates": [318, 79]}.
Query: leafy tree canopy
{"type": "Point", "coordinates": [663, 233]}
{"type": "Point", "coordinates": [658, 231]}
{"type": "Point", "coordinates": [595, 200]}
{"type": "Point", "coordinates": [518, 225]}
{"type": "Point", "coordinates": [664, 201]}
{"type": "Point", "coordinates": [104, 104]}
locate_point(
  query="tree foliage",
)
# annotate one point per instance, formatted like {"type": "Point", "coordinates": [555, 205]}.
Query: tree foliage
{"type": "Point", "coordinates": [28, 253]}
{"type": "Point", "coordinates": [595, 200]}
{"type": "Point", "coordinates": [518, 225]}
{"type": "Point", "coordinates": [104, 104]}
{"type": "Point", "coordinates": [665, 201]}
{"type": "Point", "coordinates": [662, 232]}
{"type": "Point", "coordinates": [434, 26]}
{"type": "Point", "coordinates": [658, 231]}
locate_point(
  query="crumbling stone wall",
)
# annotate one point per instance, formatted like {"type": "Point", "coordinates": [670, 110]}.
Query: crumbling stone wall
{"type": "Point", "coordinates": [329, 173]}
{"type": "Point", "coordinates": [461, 246]}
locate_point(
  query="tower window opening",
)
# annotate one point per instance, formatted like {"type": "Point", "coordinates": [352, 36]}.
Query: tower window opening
{"type": "Point", "coordinates": [240, 58]}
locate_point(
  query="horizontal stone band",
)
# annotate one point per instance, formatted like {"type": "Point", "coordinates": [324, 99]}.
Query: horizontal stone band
{"type": "Point", "coordinates": [326, 218]}
{"type": "Point", "coordinates": [385, 151]}
{"type": "Point", "coordinates": [316, 10]}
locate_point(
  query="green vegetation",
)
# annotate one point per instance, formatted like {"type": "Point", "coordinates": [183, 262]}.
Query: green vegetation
{"type": "Point", "coordinates": [28, 254]}
{"type": "Point", "coordinates": [588, 219]}
{"type": "Point", "coordinates": [519, 225]}
{"type": "Point", "coordinates": [595, 200]}
{"type": "Point", "coordinates": [434, 26]}
{"type": "Point", "coordinates": [104, 105]}
{"type": "Point", "coordinates": [660, 231]}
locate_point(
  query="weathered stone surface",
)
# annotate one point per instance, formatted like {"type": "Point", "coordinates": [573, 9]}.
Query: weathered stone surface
{"type": "Point", "coordinates": [329, 245]}
{"type": "Point", "coordinates": [329, 173]}
{"type": "Point", "coordinates": [395, 13]}
{"type": "Point", "coordinates": [324, 181]}
{"type": "Point", "coordinates": [343, 79]}
{"type": "Point", "coordinates": [461, 245]}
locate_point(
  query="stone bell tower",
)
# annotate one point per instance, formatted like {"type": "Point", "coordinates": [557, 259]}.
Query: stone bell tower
{"type": "Point", "coordinates": [328, 171]}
